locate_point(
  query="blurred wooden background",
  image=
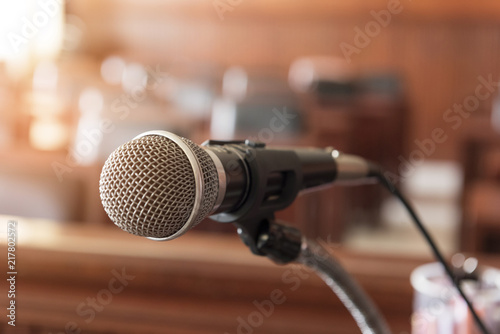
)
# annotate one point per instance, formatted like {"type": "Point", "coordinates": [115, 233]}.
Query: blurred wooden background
{"type": "Point", "coordinates": [439, 49]}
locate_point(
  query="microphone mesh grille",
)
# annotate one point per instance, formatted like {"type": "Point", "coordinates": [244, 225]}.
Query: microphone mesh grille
{"type": "Point", "coordinates": [210, 178]}
{"type": "Point", "coordinates": [148, 186]}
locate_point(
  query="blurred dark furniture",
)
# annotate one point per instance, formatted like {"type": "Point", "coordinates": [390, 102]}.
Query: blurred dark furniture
{"type": "Point", "coordinates": [481, 195]}
{"type": "Point", "coordinates": [370, 124]}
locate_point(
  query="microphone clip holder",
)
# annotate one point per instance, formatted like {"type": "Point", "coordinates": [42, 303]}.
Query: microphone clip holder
{"type": "Point", "coordinates": [281, 243]}
{"type": "Point", "coordinates": [284, 244]}
{"type": "Point", "coordinates": [254, 218]}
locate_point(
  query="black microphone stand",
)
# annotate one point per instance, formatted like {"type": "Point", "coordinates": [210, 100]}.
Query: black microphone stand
{"type": "Point", "coordinates": [284, 244]}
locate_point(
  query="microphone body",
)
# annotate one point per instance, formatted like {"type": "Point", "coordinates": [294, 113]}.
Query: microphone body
{"type": "Point", "coordinates": [159, 185]}
{"type": "Point", "coordinates": [309, 167]}
{"type": "Point", "coordinates": [240, 163]}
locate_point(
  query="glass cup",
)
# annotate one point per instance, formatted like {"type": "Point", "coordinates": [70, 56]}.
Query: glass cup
{"type": "Point", "coordinates": [439, 309]}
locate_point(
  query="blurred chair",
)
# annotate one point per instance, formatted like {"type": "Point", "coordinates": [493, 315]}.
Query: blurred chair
{"type": "Point", "coordinates": [482, 199]}
{"type": "Point", "coordinates": [327, 105]}
{"type": "Point", "coordinates": [359, 113]}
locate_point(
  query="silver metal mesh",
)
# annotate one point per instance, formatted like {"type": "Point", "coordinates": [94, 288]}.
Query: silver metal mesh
{"type": "Point", "coordinates": [210, 177]}
{"type": "Point", "coordinates": [148, 186]}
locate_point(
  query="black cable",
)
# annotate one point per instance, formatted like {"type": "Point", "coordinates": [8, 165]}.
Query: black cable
{"type": "Point", "coordinates": [378, 173]}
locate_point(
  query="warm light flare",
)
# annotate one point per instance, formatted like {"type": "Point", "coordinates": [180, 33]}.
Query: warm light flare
{"type": "Point", "coordinates": [30, 30]}
{"type": "Point", "coordinates": [48, 134]}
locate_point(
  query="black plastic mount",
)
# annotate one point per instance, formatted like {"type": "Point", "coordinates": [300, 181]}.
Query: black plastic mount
{"type": "Point", "coordinates": [280, 243]}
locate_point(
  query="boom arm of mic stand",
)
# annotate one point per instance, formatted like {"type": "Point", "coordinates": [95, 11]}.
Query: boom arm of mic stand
{"type": "Point", "coordinates": [284, 244]}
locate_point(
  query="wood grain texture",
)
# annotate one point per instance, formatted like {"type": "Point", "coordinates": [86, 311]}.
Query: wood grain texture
{"type": "Point", "coordinates": [200, 283]}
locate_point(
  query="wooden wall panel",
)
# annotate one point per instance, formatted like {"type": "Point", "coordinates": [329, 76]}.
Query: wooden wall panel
{"type": "Point", "coordinates": [438, 48]}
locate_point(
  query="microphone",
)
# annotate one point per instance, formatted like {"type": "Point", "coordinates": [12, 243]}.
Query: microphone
{"type": "Point", "coordinates": [159, 185]}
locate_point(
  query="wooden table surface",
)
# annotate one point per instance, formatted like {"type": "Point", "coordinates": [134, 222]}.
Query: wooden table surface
{"type": "Point", "coordinates": [199, 283]}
